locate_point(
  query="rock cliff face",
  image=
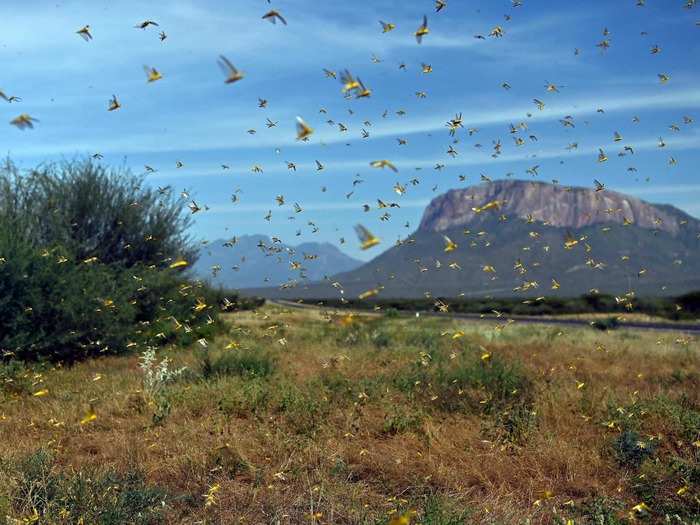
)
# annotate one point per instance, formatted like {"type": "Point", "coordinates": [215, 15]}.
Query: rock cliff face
{"type": "Point", "coordinates": [561, 206]}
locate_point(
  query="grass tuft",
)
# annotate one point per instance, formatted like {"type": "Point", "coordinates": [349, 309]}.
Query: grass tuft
{"type": "Point", "coordinates": [42, 494]}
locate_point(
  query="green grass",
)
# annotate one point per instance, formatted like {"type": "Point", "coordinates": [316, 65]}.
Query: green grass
{"type": "Point", "coordinates": [42, 494]}
{"type": "Point", "coordinates": [245, 363]}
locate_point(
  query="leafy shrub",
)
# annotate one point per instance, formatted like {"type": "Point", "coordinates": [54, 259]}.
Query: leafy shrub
{"type": "Point", "coordinates": [412, 379]}
{"type": "Point", "coordinates": [493, 387]}
{"type": "Point", "coordinates": [56, 310]}
{"type": "Point", "coordinates": [84, 265]}
{"type": "Point", "coordinates": [94, 211]}
{"type": "Point", "coordinates": [335, 385]}
{"type": "Point", "coordinates": [681, 416]}
{"type": "Point", "coordinates": [426, 340]}
{"type": "Point", "coordinates": [41, 494]}
{"type": "Point", "coordinates": [436, 510]}
{"type": "Point", "coordinates": [229, 460]}
{"type": "Point", "coordinates": [391, 313]}
{"type": "Point", "coordinates": [380, 338]}
{"type": "Point", "coordinates": [658, 485]}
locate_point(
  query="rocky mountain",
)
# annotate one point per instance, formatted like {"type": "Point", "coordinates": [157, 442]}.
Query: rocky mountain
{"type": "Point", "coordinates": [549, 204]}
{"type": "Point", "coordinates": [530, 239]}
{"type": "Point", "coordinates": [256, 260]}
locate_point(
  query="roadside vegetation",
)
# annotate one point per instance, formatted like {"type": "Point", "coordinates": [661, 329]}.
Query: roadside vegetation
{"type": "Point", "coordinates": [685, 307]}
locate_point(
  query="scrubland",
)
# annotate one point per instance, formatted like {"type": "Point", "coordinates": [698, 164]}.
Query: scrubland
{"type": "Point", "coordinates": [310, 416]}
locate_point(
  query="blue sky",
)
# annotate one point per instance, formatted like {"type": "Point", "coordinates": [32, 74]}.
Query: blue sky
{"type": "Point", "coordinates": [193, 117]}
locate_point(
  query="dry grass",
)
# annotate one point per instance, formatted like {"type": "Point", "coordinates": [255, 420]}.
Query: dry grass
{"type": "Point", "coordinates": [346, 421]}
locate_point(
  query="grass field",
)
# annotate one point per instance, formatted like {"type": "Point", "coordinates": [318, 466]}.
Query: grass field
{"type": "Point", "coordinates": [307, 417]}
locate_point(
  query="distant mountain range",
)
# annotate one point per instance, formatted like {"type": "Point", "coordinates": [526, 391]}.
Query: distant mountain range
{"type": "Point", "coordinates": [530, 239]}
{"type": "Point", "coordinates": [256, 260]}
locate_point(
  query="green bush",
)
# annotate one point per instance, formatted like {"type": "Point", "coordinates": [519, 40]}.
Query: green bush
{"type": "Point", "coordinates": [657, 484]}
{"type": "Point", "coordinates": [53, 307]}
{"type": "Point", "coordinates": [681, 414]}
{"type": "Point", "coordinates": [439, 511]}
{"type": "Point", "coordinates": [602, 511]}
{"type": "Point", "coordinates": [244, 362]}
{"type": "Point", "coordinates": [495, 388]}
{"type": "Point", "coordinates": [59, 310]}
{"type": "Point", "coordinates": [380, 338]}
{"type": "Point", "coordinates": [94, 211]}
{"type": "Point", "coordinates": [84, 265]}
{"type": "Point", "coordinates": [436, 510]}
{"type": "Point", "coordinates": [391, 313]}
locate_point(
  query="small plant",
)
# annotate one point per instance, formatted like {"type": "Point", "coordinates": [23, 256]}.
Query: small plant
{"type": "Point", "coordinates": [380, 339]}
{"type": "Point", "coordinates": [681, 414]}
{"type": "Point", "coordinates": [228, 459]}
{"type": "Point", "coordinates": [303, 410]}
{"type": "Point", "coordinates": [15, 378]}
{"type": "Point", "coordinates": [602, 511]}
{"type": "Point", "coordinates": [437, 512]}
{"type": "Point", "coordinates": [609, 323]}
{"type": "Point", "coordinates": [391, 313]}
{"type": "Point", "coordinates": [399, 421]}
{"type": "Point", "coordinates": [658, 482]}
{"type": "Point", "coordinates": [503, 384]}
{"type": "Point", "coordinates": [631, 450]}
{"type": "Point", "coordinates": [340, 469]}
{"type": "Point", "coordinates": [245, 397]}
{"type": "Point", "coordinates": [156, 378]}
{"type": "Point", "coordinates": [244, 363]}
{"type": "Point", "coordinates": [514, 424]}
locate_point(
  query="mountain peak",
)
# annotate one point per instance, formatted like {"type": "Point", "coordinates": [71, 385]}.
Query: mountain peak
{"type": "Point", "coordinates": [258, 260]}
{"type": "Point", "coordinates": [555, 205]}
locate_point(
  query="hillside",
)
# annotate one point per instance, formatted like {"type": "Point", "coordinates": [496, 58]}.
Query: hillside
{"type": "Point", "coordinates": [516, 237]}
{"type": "Point", "coordinates": [256, 260]}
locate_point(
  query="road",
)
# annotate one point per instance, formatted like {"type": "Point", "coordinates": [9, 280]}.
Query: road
{"type": "Point", "coordinates": [688, 328]}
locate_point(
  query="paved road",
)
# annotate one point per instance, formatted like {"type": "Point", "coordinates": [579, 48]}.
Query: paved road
{"type": "Point", "coordinates": [689, 328]}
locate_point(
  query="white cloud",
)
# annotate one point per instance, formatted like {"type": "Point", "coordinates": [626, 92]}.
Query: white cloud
{"type": "Point", "coordinates": [311, 206]}
{"type": "Point", "coordinates": [578, 108]}
{"type": "Point", "coordinates": [212, 130]}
